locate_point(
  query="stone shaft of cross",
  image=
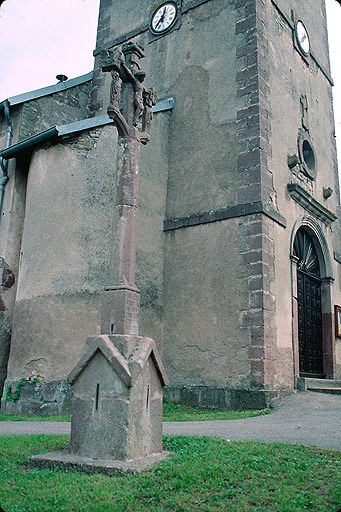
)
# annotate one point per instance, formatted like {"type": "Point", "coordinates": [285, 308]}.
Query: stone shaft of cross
{"type": "Point", "coordinates": [130, 105]}
{"type": "Point", "coordinates": [121, 299]}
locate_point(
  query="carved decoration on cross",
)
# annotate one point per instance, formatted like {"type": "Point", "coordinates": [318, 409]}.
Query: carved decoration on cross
{"type": "Point", "coordinates": [131, 103]}
{"type": "Point", "coordinates": [304, 112]}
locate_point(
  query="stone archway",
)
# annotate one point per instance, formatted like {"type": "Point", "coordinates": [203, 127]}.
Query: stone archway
{"type": "Point", "coordinates": [313, 339]}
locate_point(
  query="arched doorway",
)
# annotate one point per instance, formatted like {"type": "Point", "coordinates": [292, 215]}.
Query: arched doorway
{"type": "Point", "coordinates": [309, 288]}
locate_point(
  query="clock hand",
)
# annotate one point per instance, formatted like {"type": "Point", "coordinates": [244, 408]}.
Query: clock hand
{"type": "Point", "coordinates": [158, 23]}
{"type": "Point", "coordinates": [162, 17]}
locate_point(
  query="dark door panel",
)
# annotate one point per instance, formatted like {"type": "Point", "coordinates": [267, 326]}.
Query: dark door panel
{"type": "Point", "coordinates": [309, 325]}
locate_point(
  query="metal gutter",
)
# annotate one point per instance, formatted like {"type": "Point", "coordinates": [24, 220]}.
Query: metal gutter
{"type": "Point", "coordinates": [166, 104]}
{"type": "Point", "coordinates": [26, 143]}
{"type": "Point", "coordinates": [51, 89]}
{"type": "Point", "coordinates": [84, 124]}
{"type": "Point", "coordinates": [72, 128]}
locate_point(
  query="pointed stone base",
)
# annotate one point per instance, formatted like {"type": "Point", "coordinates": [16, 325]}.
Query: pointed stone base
{"type": "Point", "coordinates": [117, 398]}
{"type": "Point", "coordinates": [69, 462]}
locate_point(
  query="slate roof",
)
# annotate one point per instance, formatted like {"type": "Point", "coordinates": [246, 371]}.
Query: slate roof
{"type": "Point", "coordinates": [50, 89]}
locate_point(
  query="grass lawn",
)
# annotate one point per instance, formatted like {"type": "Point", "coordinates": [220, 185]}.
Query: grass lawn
{"type": "Point", "coordinates": [177, 412]}
{"type": "Point", "coordinates": [23, 417]}
{"type": "Point", "coordinates": [202, 474]}
{"type": "Point", "coordinates": [171, 412]}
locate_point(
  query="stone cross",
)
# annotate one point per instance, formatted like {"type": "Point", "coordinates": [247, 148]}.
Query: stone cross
{"type": "Point", "coordinates": [130, 108]}
{"type": "Point", "coordinates": [130, 102]}
{"type": "Point", "coordinates": [117, 384]}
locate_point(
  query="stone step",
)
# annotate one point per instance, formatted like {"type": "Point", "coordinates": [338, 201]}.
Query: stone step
{"type": "Point", "coordinates": [330, 391]}
{"type": "Point", "coordinates": [305, 383]}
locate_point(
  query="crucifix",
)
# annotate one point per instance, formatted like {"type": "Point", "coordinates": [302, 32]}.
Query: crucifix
{"type": "Point", "coordinates": [130, 108]}
{"type": "Point", "coordinates": [117, 384]}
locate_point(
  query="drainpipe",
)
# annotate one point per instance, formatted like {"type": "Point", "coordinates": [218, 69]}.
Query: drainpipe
{"type": "Point", "coordinates": [3, 161]}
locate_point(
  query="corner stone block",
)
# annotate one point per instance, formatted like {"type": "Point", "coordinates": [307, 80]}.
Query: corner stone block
{"type": "Point", "coordinates": [120, 311]}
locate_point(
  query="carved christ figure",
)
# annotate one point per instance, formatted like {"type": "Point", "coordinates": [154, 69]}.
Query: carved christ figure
{"type": "Point", "coordinates": [136, 80]}
{"type": "Point", "coordinates": [121, 65]}
{"type": "Point", "coordinates": [138, 96]}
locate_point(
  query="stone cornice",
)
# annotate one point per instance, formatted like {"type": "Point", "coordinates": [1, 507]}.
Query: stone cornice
{"type": "Point", "coordinates": [303, 198]}
{"type": "Point", "coordinates": [240, 210]}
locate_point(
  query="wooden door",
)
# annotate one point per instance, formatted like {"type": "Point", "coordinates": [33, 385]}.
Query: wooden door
{"type": "Point", "coordinates": [309, 325]}
{"type": "Point", "coordinates": [309, 306]}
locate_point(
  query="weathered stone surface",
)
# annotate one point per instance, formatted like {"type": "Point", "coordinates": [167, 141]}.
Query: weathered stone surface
{"type": "Point", "coordinates": [201, 267]}
{"type": "Point", "coordinates": [69, 462]}
{"type": "Point", "coordinates": [117, 405]}
{"type": "Point", "coordinates": [61, 108]}
{"type": "Point", "coordinates": [43, 398]}
{"type": "Point", "coordinates": [209, 397]}
{"type": "Point", "coordinates": [120, 310]}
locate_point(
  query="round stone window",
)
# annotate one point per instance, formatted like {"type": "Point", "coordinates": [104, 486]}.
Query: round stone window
{"type": "Point", "coordinates": [307, 155]}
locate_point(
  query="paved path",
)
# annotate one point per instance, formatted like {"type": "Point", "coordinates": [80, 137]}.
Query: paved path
{"type": "Point", "coordinates": [312, 419]}
{"type": "Point", "coordinates": [303, 418]}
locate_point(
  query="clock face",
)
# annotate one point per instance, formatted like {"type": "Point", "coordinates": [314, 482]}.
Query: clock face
{"type": "Point", "coordinates": [302, 37]}
{"type": "Point", "coordinates": [163, 18]}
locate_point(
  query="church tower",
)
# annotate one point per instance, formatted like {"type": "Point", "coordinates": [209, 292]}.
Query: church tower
{"type": "Point", "coordinates": [251, 239]}
{"type": "Point", "coordinates": [238, 250]}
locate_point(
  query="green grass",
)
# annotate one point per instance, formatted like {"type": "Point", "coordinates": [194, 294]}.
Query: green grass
{"type": "Point", "coordinates": [23, 417]}
{"type": "Point", "coordinates": [177, 412]}
{"type": "Point", "coordinates": [202, 474]}
{"type": "Point", "coordinates": [171, 412]}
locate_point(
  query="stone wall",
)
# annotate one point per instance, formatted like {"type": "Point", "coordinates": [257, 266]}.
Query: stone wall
{"type": "Point", "coordinates": [59, 108]}
{"type": "Point", "coordinates": [292, 76]}
{"type": "Point", "coordinates": [65, 257]}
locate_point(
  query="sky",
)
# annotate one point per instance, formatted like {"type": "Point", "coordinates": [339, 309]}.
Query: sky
{"type": "Point", "coordinates": [40, 39]}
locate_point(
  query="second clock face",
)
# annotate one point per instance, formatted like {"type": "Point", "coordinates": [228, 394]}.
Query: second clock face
{"type": "Point", "coordinates": [302, 37]}
{"type": "Point", "coordinates": [163, 18]}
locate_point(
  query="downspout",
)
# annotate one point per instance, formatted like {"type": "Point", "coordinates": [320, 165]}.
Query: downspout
{"type": "Point", "coordinates": [4, 161]}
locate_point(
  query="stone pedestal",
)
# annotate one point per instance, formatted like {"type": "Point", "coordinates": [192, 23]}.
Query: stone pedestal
{"type": "Point", "coordinates": [117, 404]}
{"type": "Point", "coordinates": [117, 407]}
{"type": "Point", "coordinates": [69, 462]}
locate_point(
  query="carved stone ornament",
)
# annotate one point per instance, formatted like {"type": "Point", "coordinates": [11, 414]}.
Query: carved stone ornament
{"type": "Point", "coordinates": [292, 161]}
{"type": "Point", "coordinates": [130, 104]}
{"type": "Point", "coordinates": [304, 112]}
